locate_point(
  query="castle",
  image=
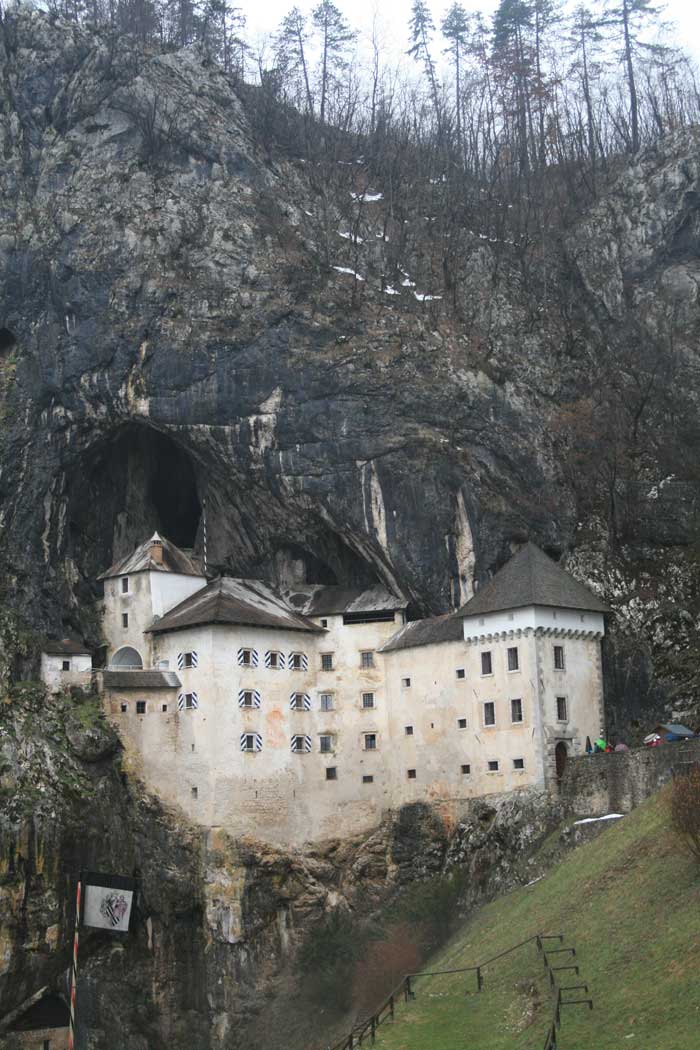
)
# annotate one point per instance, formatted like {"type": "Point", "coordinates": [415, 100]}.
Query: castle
{"type": "Point", "coordinates": [307, 714]}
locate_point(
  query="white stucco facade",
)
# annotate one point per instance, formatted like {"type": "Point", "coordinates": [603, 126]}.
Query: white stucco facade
{"type": "Point", "coordinates": [62, 670]}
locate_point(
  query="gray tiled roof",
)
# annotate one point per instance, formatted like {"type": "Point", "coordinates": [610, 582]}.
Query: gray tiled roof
{"type": "Point", "coordinates": [320, 600]}
{"type": "Point", "coordinates": [174, 560]}
{"type": "Point", "coordinates": [65, 647]}
{"type": "Point", "coordinates": [531, 578]}
{"type": "Point", "coordinates": [447, 628]}
{"type": "Point", "coordinates": [229, 601]}
{"type": "Point", "coordinates": [141, 680]}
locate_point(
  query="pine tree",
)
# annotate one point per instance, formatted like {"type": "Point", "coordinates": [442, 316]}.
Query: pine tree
{"type": "Point", "coordinates": [336, 37]}
{"type": "Point", "coordinates": [290, 51]}
{"type": "Point", "coordinates": [512, 54]}
{"type": "Point", "coordinates": [455, 29]}
{"type": "Point", "coordinates": [630, 17]}
{"type": "Point", "coordinates": [422, 28]}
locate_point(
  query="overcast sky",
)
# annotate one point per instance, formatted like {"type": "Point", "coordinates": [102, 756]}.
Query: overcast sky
{"type": "Point", "coordinates": [264, 15]}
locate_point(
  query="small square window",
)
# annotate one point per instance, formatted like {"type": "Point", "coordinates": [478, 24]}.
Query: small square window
{"type": "Point", "coordinates": [516, 710]}
{"type": "Point", "coordinates": [486, 663]}
{"type": "Point", "coordinates": [513, 658]}
{"type": "Point", "coordinates": [248, 742]}
{"type": "Point", "coordinates": [461, 673]}
{"type": "Point", "coordinates": [125, 619]}
{"type": "Point", "coordinates": [164, 707]}
{"type": "Point", "coordinates": [296, 662]}
{"type": "Point", "coordinates": [518, 763]}
{"type": "Point", "coordinates": [194, 792]}
{"type": "Point", "coordinates": [493, 766]}
{"type": "Point", "coordinates": [188, 659]}
{"type": "Point", "coordinates": [248, 698]}
{"type": "Point", "coordinates": [411, 774]}
{"type": "Point", "coordinates": [190, 704]}
{"type": "Point", "coordinates": [368, 779]}
{"type": "Point", "coordinates": [326, 661]}
{"type": "Point", "coordinates": [461, 723]}
{"type": "Point", "coordinates": [489, 713]}
{"type": "Point", "coordinates": [273, 661]}
{"type": "Point", "coordinates": [331, 773]}
{"type": "Point", "coordinates": [125, 584]}
{"type": "Point", "coordinates": [558, 657]}
{"type": "Point", "coordinates": [65, 665]}
{"type": "Point", "coordinates": [366, 660]}
{"type": "Point", "coordinates": [368, 701]}
{"type": "Point", "coordinates": [297, 703]}
{"type": "Point", "coordinates": [140, 707]}
{"type": "Point", "coordinates": [326, 701]}
{"type": "Point", "coordinates": [408, 730]}
{"type": "Point", "coordinates": [466, 769]}
{"type": "Point", "coordinates": [370, 741]}
{"type": "Point", "coordinates": [325, 743]}
{"type": "Point", "coordinates": [562, 709]}
{"type": "Point", "coordinates": [406, 683]}
{"type": "Point", "coordinates": [123, 708]}
{"type": "Point", "coordinates": [246, 659]}
{"type": "Point", "coordinates": [324, 623]}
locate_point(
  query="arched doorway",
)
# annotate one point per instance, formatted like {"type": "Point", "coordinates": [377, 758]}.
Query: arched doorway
{"type": "Point", "coordinates": [127, 659]}
{"type": "Point", "coordinates": [560, 757]}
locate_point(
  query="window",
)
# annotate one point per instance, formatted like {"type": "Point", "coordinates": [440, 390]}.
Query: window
{"type": "Point", "coordinates": [274, 660]}
{"type": "Point", "coordinates": [324, 623]}
{"type": "Point", "coordinates": [125, 584]}
{"type": "Point", "coordinates": [558, 657]}
{"type": "Point", "coordinates": [411, 774]}
{"type": "Point", "coordinates": [46, 1045]}
{"type": "Point", "coordinates": [370, 741]}
{"type": "Point", "coordinates": [251, 742]}
{"type": "Point", "coordinates": [516, 710]}
{"type": "Point", "coordinates": [298, 662]}
{"type": "Point", "coordinates": [493, 766]}
{"type": "Point", "coordinates": [486, 663]}
{"type": "Point", "coordinates": [466, 769]}
{"type": "Point", "coordinates": [65, 665]}
{"type": "Point", "coordinates": [246, 658]}
{"type": "Point", "coordinates": [300, 702]}
{"type": "Point", "coordinates": [367, 779]}
{"type": "Point", "coordinates": [194, 792]}
{"type": "Point", "coordinates": [367, 701]}
{"type": "Point", "coordinates": [186, 660]}
{"type": "Point", "coordinates": [125, 619]}
{"type": "Point", "coordinates": [366, 660]}
{"type": "Point", "coordinates": [123, 707]}
{"type": "Point", "coordinates": [140, 707]}
{"type": "Point", "coordinates": [461, 723]}
{"type": "Point", "coordinates": [489, 713]}
{"type": "Point", "coordinates": [461, 673]}
{"type": "Point", "coordinates": [164, 707]}
{"type": "Point", "coordinates": [247, 698]}
{"type": "Point", "coordinates": [518, 763]}
{"type": "Point", "coordinates": [301, 744]}
{"type": "Point", "coordinates": [406, 683]}
{"type": "Point", "coordinates": [188, 702]}
{"type": "Point", "coordinates": [326, 701]}
{"type": "Point", "coordinates": [325, 743]}
{"type": "Point", "coordinates": [562, 712]}
{"type": "Point", "coordinates": [513, 658]}
{"type": "Point", "coordinates": [408, 730]}
{"type": "Point", "coordinates": [331, 773]}
{"type": "Point", "coordinates": [326, 661]}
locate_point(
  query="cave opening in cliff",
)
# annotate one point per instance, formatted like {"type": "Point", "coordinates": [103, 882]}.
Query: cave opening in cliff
{"type": "Point", "coordinates": [7, 341]}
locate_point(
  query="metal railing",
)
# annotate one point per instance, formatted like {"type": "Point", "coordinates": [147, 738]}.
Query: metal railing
{"type": "Point", "coordinates": [406, 990]}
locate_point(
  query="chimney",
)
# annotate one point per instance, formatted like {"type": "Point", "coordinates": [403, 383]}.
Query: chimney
{"type": "Point", "coordinates": [157, 549]}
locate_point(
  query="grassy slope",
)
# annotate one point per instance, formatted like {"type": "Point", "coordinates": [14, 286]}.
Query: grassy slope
{"type": "Point", "coordinates": [629, 902]}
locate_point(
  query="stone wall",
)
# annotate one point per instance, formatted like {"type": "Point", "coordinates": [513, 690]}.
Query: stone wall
{"type": "Point", "coordinates": [615, 783]}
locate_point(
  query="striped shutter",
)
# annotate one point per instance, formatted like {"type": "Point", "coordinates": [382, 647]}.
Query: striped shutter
{"type": "Point", "coordinates": [304, 660]}
{"type": "Point", "coordinates": [301, 744]}
{"type": "Point", "coordinates": [257, 741]}
{"type": "Point", "coordinates": [253, 657]}
{"type": "Point", "coordinates": [241, 697]}
{"type": "Point", "coordinates": [305, 701]}
{"type": "Point", "coordinates": [181, 660]}
{"type": "Point", "coordinates": [280, 660]}
{"type": "Point", "coordinates": [182, 703]}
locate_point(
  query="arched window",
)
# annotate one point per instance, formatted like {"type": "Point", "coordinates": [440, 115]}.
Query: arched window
{"type": "Point", "coordinates": [127, 659]}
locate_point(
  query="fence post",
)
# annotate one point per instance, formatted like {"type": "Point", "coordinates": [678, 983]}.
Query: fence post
{"type": "Point", "coordinates": [391, 1007]}
{"type": "Point", "coordinates": [479, 979]}
{"type": "Point", "coordinates": [407, 989]}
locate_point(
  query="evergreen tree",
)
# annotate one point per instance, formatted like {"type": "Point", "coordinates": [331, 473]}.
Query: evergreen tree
{"type": "Point", "coordinates": [336, 37]}
{"type": "Point", "coordinates": [512, 55]}
{"type": "Point", "coordinates": [455, 29]}
{"type": "Point", "coordinates": [630, 17]}
{"type": "Point", "coordinates": [290, 51]}
{"type": "Point", "coordinates": [421, 28]}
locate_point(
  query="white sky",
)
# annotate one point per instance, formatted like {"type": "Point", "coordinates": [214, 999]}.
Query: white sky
{"type": "Point", "coordinates": [392, 15]}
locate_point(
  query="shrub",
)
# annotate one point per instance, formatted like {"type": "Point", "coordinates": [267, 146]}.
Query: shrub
{"type": "Point", "coordinates": [684, 807]}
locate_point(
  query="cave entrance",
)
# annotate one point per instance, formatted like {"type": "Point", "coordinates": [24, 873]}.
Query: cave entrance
{"type": "Point", "coordinates": [7, 341]}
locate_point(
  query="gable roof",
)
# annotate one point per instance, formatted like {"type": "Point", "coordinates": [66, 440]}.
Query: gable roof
{"type": "Point", "coordinates": [64, 647]}
{"type": "Point", "coordinates": [532, 578]}
{"type": "Point", "coordinates": [174, 560]}
{"type": "Point", "coordinates": [320, 600]}
{"type": "Point", "coordinates": [445, 628]}
{"type": "Point", "coordinates": [229, 601]}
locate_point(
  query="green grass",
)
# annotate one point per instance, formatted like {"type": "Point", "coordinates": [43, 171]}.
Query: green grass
{"type": "Point", "coordinates": [629, 902]}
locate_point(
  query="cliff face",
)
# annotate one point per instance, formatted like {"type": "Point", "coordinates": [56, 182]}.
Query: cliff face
{"type": "Point", "coordinates": [179, 329]}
